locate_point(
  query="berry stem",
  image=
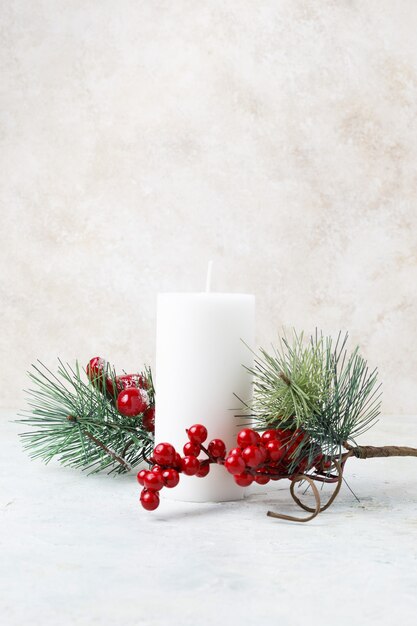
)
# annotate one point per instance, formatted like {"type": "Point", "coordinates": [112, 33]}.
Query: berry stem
{"type": "Point", "coordinates": [210, 457]}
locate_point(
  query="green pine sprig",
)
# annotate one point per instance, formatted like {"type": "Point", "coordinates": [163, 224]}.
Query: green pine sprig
{"type": "Point", "coordinates": [317, 386]}
{"type": "Point", "coordinates": [74, 422]}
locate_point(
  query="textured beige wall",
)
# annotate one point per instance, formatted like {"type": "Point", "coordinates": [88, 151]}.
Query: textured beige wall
{"type": "Point", "coordinates": [140, 138]}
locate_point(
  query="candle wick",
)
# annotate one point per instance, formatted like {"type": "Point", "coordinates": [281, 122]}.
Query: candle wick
{"type": "Point", "coordinates": [208, 278]}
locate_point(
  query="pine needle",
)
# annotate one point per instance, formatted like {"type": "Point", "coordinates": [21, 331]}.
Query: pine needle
{"type": "Point", "coordinates": [72, 421]}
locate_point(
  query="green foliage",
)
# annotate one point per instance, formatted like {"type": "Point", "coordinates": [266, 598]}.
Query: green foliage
{"type": "Point", "coordinates": [317, 386]}
{"type": "Point", "coordinates": [74, 422]}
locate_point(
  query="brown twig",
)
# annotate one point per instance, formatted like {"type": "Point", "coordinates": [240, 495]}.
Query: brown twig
{"type": "Point", "coordinates": [127, 446]}
{"type": "Point", "coordinates": [373, 452]}
{"type": "Point", "coordinates": [314, 512]}
{"type": "Point", "coordinates": [285, 378]}
{"type": "Point", "coordinates": [211, 458]}
{"type": "Point", "coordinates": [360, 452]}
{"type": "Point", "coordinates": [100, 444]}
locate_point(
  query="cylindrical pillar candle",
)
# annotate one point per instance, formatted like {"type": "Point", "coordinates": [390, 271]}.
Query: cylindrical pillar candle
{"type": "Point", "coordinates": [200, 354]}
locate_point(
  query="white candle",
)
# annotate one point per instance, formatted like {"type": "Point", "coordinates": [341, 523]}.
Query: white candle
{"type": "Point", "coordinates": [199, 367]}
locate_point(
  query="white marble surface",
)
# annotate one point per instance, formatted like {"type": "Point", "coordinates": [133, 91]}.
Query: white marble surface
{"type": "Point", "coordinates": [78, 550]}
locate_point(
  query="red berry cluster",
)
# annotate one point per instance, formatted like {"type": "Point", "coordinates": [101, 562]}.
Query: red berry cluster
{"type": "Point", "coordinates": [270, 456]}
{"type": "Point", "coordinates": [128, 391]}
{"type": "Point", "coordinates": [168, 464]}
{"type": "Point", "coordinates": [256, 457]}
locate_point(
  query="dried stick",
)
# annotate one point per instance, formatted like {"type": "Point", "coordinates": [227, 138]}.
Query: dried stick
{"type": "Point", "coordinates": [372, 452]}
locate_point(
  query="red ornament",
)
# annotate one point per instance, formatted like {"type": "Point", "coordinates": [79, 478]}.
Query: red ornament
{"type": "Point", "coordinates": [153, 481]}
{"type": "Point", "coordinates": [126, 381]}
{"type": "Point", "coordinates": [149, 500]}
{"type": "Point", "coordinates": [248, 437]}
{"type": "Point", "coordinates": [148, 420]}
{"type": "Point", "coordinates": [197, 433]}
{"type": "Point", "coordinates": [190, 465]}
{"type": "Point", "coordinates": [96, 367]}
{"type": "Point", "coordinates": [111, 387]}
{"type": "Point", "coordinates": [235, 464]}
{"type": "Point", "coordinates": [191, 449]}
{"type": "Point", "coordinates": [243, 480]}
{"type": "Point", "coordinates": [252, 456]}
{"type": "Point", "coordinates": [164, 454]}
{"type": "Point", "coordinates": [170, 477]}
{"type": "Point", "coordinates": [132, 402]}
{"type": "Point", "coordinates": [96, 372]}
{"type": "Point", "coordinates": [217, 449]}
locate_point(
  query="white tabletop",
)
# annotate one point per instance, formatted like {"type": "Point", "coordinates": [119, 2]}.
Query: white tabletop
{"type": "Point", "coordinates": [80, 550]}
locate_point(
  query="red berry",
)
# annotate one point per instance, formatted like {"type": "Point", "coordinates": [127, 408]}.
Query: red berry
{"type": "Point", "coordinates": [141, 475]}
{"type": "Point", "coordinates": [170, 477]}
{"type": "Point", "coordinates": [248, 437]}
{"type": "Point", "coordinates": [269, 435]}
{"type": "Point", "coordinates": [264, 453]}
{"type": "Point", "coordinates": [149, 500]}
{"type": "Point", "coordinates": [191, 449]}
{"type": "Point", "coordinates": [262, 479]}
{"type": "Point", "coordinates": [177, 462]}
{"type": "Point", "coordinates": [111, 387]}
{"type": "Point", "coordinates": [243, 480]}
{"type": "Point", "coordinates": [96, 367]}
{"type": "Point", "coordinates": [164, 454]}
{"type": "Point", "coordinates": [132, 402]}
{"type": "Point", "coordinates": [190, 465]}
{"type": "Point", "coordinates": [299, 437]}
{"type": "Point", "coordinates": [148, 420]}
{"type": "Point", "coordinates": [295, 444]}
{"type": "Point", "coordinates": [197, 433]}
{"type": "Point", "coordinates": [217, 449]}
{"type": "Point", "coordinates": [235, 452]}
{"type": "Point", "coordinates": [131, 380]}
{"type": "Point", "coordinates": [157, 469]}
{"type": "Point", "coordinates": [252, 456]}
{"type": "Point", "coordinates": [275, 449]}
{"type": "Point", "coordinates": [153, 481]}
{"type": "Point", "coordinates": [96, 372]}
{"type": "Point", "coordinates": [301, 434]}
{"type": "Point", "coordinates": [235, 464]}
{"type": "Point", "coordinates": [284, 435]}
{"type": "Point", "coordinates": [203, 471]}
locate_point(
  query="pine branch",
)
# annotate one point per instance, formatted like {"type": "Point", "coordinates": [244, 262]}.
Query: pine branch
{"type": "Point", "coordinates": [79, 425]}
{"type": "Point", "coordinates": [318, 387]}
